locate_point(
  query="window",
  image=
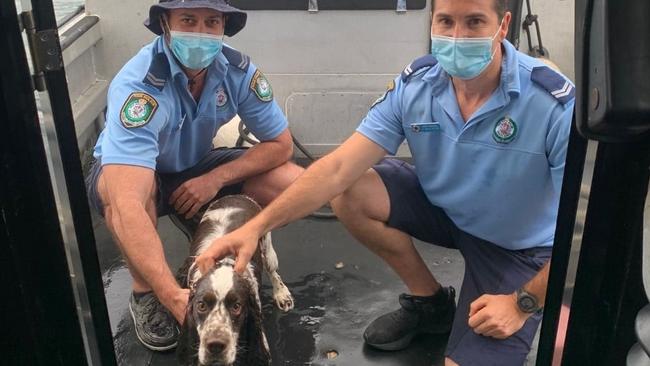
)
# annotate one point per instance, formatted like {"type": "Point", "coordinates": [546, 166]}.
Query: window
{"type": "Point", "coordinates": [64, 10]}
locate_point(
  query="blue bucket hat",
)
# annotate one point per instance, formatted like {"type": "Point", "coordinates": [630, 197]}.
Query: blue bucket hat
{"type": "Point", "coordinates": [236, 19]}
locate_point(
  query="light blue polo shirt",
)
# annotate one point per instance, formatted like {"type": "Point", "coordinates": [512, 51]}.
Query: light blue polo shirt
{"type": "Point", "coordinates": [152, 120]}
{"type": "Point", "coordinates": [499, 175]}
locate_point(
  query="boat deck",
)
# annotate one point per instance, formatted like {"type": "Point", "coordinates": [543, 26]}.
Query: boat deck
{"type": "Point", "coordinates": [332, 306]}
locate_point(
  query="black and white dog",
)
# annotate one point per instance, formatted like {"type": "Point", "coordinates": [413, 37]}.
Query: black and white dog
{"type": "Point", "coordinates": [223, 323]}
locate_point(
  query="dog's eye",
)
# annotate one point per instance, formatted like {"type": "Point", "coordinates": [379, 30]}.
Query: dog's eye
{"type": "Point", "coordinates": [236, 308]}
{"type": "Point", "coordinates": [201, 306]}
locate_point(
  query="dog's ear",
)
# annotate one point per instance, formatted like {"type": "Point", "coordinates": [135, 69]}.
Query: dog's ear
{"type": "Point", "coordinates": [182, 273]}
{"type": "Point", "coordinates": [188, 340]}
{"type": "Point", "coordinates": [252, 338]}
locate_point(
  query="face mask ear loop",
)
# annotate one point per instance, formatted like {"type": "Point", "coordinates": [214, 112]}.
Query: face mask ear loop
{"type": "Point", "coordinates": [498, 30]}
{"type": "Point", "coordinates": [495, 36]}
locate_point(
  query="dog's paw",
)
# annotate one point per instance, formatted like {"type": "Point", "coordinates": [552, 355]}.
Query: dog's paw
{"type": "Point", "coordinates": [283, 298]}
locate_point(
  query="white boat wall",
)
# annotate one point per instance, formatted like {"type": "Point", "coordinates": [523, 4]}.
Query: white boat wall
{"type": "Point", "coordinates": [326, 66]}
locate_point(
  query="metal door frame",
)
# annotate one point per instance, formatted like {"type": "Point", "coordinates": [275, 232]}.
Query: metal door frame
{"type": "Point", "coordinates": [44, 321]}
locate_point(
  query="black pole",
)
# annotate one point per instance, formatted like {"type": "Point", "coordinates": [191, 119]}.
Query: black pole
{"type": "Point", "coordinates": [40, 323]}
{"type": "Point", "coordinates": [609, 290]}
{"type": "Point", "coordinates": [570, 196]}
{"type": "Point", "coordinates": [69, 151]}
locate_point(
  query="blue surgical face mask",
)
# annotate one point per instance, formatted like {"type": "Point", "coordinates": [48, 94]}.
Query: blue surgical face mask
{"type": "Point", "coordinates": [195, 51]}
{"type": "Point", "coordinates": [464, 58]}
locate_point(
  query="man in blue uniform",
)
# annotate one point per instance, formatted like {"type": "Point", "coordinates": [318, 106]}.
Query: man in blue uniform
{"type": "Point", "coordinates": [488, 129]}
{"type": "Point", "coordinates": [155, 156]}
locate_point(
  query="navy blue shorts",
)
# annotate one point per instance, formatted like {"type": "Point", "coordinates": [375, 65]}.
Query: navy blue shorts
{"type": "Point", "coordinates": [489, 269]}
{"type": "Point", "coordinates": [168, 182]}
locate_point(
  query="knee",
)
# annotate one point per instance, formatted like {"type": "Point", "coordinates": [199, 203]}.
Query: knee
{"type": "Point", "coordinates": [265, 187]}
{"type": "Point", "coordinates": [349, 203]}
{"type": "Point", "coordinates": [286, 174]}
{"type": "Point", "coordinates": [365, 199]}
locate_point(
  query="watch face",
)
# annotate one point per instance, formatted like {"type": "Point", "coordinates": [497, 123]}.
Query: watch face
{"type": "Point", "coordinates": [527, 303]}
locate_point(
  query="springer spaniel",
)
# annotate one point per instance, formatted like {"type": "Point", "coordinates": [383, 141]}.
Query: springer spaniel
{"type": "Point", "coordinates": [223, 323]}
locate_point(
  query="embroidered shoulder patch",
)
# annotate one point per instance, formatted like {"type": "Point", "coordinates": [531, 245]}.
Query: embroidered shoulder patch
{"type": "Point", "coordinates": [261, 87]}
{"type": "Point", "coordinates": [138, 110]}
{"type": "Point", "coordinates": [553, 82]}
{"type": "Point", "coordinates": [390, 87]}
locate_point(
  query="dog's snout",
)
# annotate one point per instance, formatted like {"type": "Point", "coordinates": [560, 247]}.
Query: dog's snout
{"type": "Point", "coordinates": [216, 346]}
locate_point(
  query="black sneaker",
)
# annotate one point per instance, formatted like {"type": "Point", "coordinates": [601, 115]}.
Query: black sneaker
{"type": "Point", "coordinates": [418, 315]}
{"type": "Point", "coordinates": [155, 327]}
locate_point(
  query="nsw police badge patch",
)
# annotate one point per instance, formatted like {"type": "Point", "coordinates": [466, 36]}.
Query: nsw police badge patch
{"type": "Point", "coordinates": [505, 130]}
{"type": "Point", "coordinates": [261, 87]}
{"type": "Point", "coordinates": [138, 110]}
{"type": "Point", "coordinates": [222, 97]}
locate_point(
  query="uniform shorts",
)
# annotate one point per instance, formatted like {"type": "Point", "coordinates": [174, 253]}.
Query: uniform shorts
{"type": "Point", "coordinates": [168, 182]}
{"type": "Point", "coordinates": [489, 269]}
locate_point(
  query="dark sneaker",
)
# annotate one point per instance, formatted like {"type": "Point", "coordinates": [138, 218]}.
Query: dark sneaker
{"type": "Point", "coordinates": [418, 315]}
{"type": "Point", "coordinates": [155, 327]}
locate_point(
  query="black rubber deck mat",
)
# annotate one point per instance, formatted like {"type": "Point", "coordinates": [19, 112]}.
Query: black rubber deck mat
{"type": "Point", "coordinates": [333, 305]}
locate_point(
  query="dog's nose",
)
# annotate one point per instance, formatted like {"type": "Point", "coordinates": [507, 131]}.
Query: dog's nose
{"type": "Point", "coordinates": [216, 346]}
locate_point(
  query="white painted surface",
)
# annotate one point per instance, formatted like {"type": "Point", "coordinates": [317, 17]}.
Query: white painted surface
{"type": "Point", "coordinates": [333, 54]}
{"type": "Point", "coordinates": [556, 20]}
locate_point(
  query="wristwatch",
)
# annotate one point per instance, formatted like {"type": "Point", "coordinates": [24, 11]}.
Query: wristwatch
{"type": "Point", "coordinates": [527, 302]}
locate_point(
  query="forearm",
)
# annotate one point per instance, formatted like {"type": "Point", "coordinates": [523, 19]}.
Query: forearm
{"type": "Point", "coordinates": [256, 160]}
{"type": "Point", "coordinates": [315, 187]}
{"type": "Point", "coordinates": [324, 180]}
{"type": "Point", "coordinates": [140, 244]}
{"type": "Point", "coordinates": [538, 284]}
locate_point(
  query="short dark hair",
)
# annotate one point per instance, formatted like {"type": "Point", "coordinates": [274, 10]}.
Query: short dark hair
{"type": "Point", "coordinates": [500, 6]}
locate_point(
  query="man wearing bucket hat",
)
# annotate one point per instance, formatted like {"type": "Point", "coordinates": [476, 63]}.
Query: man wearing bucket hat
{"type": "Point", "coordinates": [155, 155]}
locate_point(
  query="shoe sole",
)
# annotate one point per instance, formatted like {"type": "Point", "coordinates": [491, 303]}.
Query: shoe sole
{"type": "Point", "coordinates": [151, 347]}
{"type": "Point", "coordinates": [393, 346]}
{"type": "Point", "coordinates": [403, 342]}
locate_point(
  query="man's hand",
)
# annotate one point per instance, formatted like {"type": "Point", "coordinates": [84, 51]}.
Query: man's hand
{"type": "Point", "coordinates": [496, 316]}
{"type": "Point", "coordinates": [193, 194]}
{"type": "Point", "coordinates": [241, 243]}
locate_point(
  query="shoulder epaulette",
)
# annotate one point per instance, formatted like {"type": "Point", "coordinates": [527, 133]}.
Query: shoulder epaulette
{"type": "Point", "coordinates": [553, 82]}
{"type": "Point", "coordinates": [236, 58]}
{"type": "Point", "coordinates": [158, 72]}
{"type": "Point", "coordinates": [420, 63]}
